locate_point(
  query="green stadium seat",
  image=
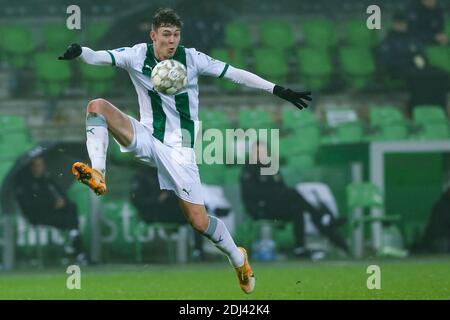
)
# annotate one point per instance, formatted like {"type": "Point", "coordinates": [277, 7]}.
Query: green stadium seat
{"type": "Point", "coordinates": [439, 56]}
{"type": "Point", "coordinates": [237, 35]}
{"type": "Point", "coordinates": [232, 57]}
{"type": "Point", "coordinates": [304, 142]}
{"type": "Point", "coordinates": [315, 67]}
{"type": "Point", "coordinates": [233, 175]}
{"type": "Point", "coordinates": [214, 119]}
{"type": "Point", "coordinates": [425, 114]}
{"type": "Point", "coordinates": [95, 31]}
{"type": "Point", "coordinates": [18, 44]}
{"type": "Point", "coordinates": [319, 33]}
{"type": "Point", "coordinates": [434, 131]}
{"type": "Point", "coordinates": [358, 35]}
{"type": "Point", "coordinates": [11, 123]}
{"type": "Point", "coordinates": [381, 116]}
{"type": "Point", "coordinates": [294, 120]}
{"type": "Point", "coordinates": [395, 131]}
{"type": "Point", "coordinates": [271, 64]}
{"type": "Point", "coordinates": [349, 132]}
{"type": "Point", "coordinates": [358, 65]}
{"type": "Point", "coordinates": [254, 118]}
{"type": "Point", "coordinates": [52, 75]}
{"type": "Point", "coordinates": [212, 174]}
{"type": "Point", "coordinates": [57, 37]}
{"type": "Point", "coordinates": [97, 79]}
{"type": "Point", "coordinates": [277, 34]}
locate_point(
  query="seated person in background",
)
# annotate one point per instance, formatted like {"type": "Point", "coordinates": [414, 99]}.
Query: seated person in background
{"type": "Point", "coordinates": [426, 20]}
{"type": "Point", "coordinates": [402, 56]}
{"type": "Point", "coordinates": [43, 202]}
{"type": "Point", "coordinates": [267, 197]}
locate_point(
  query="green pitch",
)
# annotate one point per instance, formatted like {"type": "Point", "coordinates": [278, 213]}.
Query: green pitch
{"type": "Point", "coordinates": [414, 278]}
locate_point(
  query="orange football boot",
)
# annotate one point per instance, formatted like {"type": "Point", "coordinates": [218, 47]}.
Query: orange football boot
{"type": "Point", "coordinates": [93, 178]}
{"type": "Point", "coordinates": [245, 274]}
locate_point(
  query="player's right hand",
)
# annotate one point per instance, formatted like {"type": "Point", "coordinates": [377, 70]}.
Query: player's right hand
{"type": "Point", "coordinates": [73, 51]}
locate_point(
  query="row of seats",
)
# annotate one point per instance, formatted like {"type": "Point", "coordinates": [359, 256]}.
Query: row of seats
{"type": "Point", "coordinates": [19, 41]}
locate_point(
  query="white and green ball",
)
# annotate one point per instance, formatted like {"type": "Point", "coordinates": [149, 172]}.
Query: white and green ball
{"type": "Point", "coordinates": [169, 77]}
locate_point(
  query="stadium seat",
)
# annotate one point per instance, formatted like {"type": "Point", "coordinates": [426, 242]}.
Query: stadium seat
{"type": "Point", "coordinates": [429, 114]}
{"type": "Point", "coordinates": [271, 64]}
{"type": "Point", "coordinates": [358, 35]}
{"type": "Point", "coordinates": [319, 34]}
{"type": "Point", "coordinates": [57, 37]}
{"type": "Point", "coordinates": [432, 122]}
{"type": "Point", "coordinates": [11, 122]}
{"type": "Point", "coordinates": [214, 119]}
{"type": "Point", "coordinates": [232, 57]}
{"type": "Point", "coordinates": [439, 56]}
{"type": "Point", "coordinates": [98, 80]}
{"type": "Point", "coordinates": [389, 124]}
{"type": "Point", "coordinates": [276, 34]}
{"type": "Point", "coordinates": [212, 174]}
{"type": "Point", "coordinates": [305, 141]}
{"type": "Point", "coordinates": [366, 195]}
{"type": "Point", "coordinates": [18, 44]}
{"type": "Point", "coordinates": [52, 75]}
{"type": "Point", "coordinates": [95, 31]}
{"type": "Point", "coordinates": [315, 67]}
{"type": "Point", "coordinates": [293, 120]}
{"type": "Point", "coordinates": [254, 118]}
{"type": "Point", "coordinates": [237, 35]}
{"type": "Point", "coordinates": [358, 66]}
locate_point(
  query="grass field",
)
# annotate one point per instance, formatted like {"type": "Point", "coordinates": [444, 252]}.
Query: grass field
{"type": "Point", "coordinates": [414, 278]}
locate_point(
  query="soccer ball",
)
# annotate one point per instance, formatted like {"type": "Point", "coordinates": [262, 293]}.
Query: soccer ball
{"type": "Point", "coordinates": [169, 77]}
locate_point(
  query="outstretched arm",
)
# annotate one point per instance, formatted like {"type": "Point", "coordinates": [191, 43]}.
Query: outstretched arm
{"type": "Point", "coordinates": [87, 55]}
{"type": "Point", "coordinates": [251, 80]}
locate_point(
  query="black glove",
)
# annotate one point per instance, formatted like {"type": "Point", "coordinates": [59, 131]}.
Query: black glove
{"type": "Point", "coordinates": [73, 51]}
{"type": "Point", "coordinates": [297, 98]}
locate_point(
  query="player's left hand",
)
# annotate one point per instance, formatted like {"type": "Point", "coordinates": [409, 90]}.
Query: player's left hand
{"type": "Point", "coordinates": [73, 51]}
{"type": "Point", "coordinates": [297, 98]}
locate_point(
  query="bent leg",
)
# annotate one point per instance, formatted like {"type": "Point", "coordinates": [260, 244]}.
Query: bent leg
{"type": "Point", "coordinates": [102, 116]}
{"type": "Point", "coordinates": [214, 229]}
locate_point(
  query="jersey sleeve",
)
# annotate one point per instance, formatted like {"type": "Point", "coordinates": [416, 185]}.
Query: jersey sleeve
{"type": "Point", "coordinates": [208, 66]}
{"type": "Point", "coordinates": [122, 57]}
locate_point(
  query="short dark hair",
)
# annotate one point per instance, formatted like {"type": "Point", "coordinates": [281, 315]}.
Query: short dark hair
{"type": "Point", "coordinates": [166, 17]}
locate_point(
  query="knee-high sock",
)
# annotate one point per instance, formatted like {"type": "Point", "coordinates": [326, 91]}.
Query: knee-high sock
{"type": "Point", "coordinates": [218, 233]}
{"type": "Point", "coordinates": [97, 140]}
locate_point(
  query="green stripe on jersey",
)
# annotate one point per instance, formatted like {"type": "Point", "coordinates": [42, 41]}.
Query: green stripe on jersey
{"type": "Point", "coordinates": [187, 125]}
{"type": "Point", "coordinates": [112, 58]}
{"type": "Point", "coordinates": [159, 117]}
{"type": "Point", "coordinates": [224, 70]}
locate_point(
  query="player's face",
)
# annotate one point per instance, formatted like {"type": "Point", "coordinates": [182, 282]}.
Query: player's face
{"type": "Point", "coordinates": [165, 40]}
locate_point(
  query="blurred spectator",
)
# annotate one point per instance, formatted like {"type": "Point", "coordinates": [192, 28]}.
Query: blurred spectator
{"type": "Point", "coordinates": [204, 23]}
{"type": "Point", "coordinates": [267, 197]}
{"type": "Point", "coordinates": [436, 238]}
{"type": "Point", "coordinates": [426, 20]}
{"type": "Point", "coordinates": [402, 56]}
{"type": "Point", "coordinates": [43, 202]}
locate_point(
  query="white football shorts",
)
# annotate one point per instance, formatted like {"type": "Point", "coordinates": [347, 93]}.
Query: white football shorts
{"type": "Point", "coordinates": [177, 169]}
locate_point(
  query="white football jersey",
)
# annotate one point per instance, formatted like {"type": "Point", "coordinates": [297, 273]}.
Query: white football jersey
{"type": "Point", "coordinates": [168, 116]}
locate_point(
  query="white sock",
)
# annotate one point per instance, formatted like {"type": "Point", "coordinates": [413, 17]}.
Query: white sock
{"type": "Point", "coordinates": [218, 233]}
{"type": "Point", "coordinates": [97, 140]}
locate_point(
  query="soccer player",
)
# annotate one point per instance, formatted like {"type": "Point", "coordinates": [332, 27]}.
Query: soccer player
{"type": "Point", "coordinates": [158, 139]}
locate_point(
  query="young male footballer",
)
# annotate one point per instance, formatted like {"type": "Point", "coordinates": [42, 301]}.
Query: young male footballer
{"type": "Point", "coordinates": [159, 138]}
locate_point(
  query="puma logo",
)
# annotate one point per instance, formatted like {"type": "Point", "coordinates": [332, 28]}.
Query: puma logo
{"type": "Point", "coordinates": [219, 241]}
{"type": "Point", "coordinates": [187, 192]}
{"type": "Point", "coordinates": [91, 130]}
